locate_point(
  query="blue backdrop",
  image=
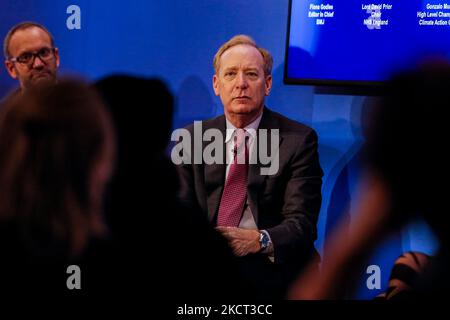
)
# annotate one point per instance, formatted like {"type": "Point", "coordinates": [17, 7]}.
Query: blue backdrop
{"type": "Point", "coordinates": [176, 40]}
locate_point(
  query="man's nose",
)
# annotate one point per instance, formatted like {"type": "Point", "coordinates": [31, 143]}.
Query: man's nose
{"type": "Point", "coordinates": [241, 81]}
{"type": "Point", "coordinates": [37, 62]}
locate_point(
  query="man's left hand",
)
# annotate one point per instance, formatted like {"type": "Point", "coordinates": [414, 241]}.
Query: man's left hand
{"type": "Point", "coordinates": [242, 241]}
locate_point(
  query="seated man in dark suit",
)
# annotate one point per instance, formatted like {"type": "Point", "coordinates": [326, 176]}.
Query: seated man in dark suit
{"type": "Point", "coordinates": [268, 216]}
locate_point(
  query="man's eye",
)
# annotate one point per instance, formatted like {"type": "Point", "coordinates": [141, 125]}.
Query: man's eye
{"type": "Point", "coordinates": [44, 52]}
{"type": "Point", "coordinates": [252, 74]}
{"type": "Point", "coordinates": [230, 73]}
{"type": "Point", "coordinates": [24, 57]}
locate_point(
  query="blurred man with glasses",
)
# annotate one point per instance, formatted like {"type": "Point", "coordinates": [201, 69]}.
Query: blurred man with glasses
{"type": "Point", "coordinates": [30, 54]}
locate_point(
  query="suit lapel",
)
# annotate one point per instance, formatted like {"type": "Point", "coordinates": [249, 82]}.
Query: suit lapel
{"type": "Point", "coordinates": [255, 178]}
{"type": "Point", "coordinates": [215, 173]}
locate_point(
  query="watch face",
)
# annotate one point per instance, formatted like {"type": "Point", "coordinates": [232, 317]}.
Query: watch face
{"type": "Point", "coordinates": [264, 239]}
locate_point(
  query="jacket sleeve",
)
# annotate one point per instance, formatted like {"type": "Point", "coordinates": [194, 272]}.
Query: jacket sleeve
{"type": "Point", "coordinates": [294, 237]}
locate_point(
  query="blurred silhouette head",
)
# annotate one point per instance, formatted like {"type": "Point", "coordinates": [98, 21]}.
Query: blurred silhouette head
{"type": "Point", "coordinates": [406, 142]}
{"type": "Point", "coordinates": [56, 155]}
{"type": "Point", "coordinates": [30, 54]}
{"type": "Point", "coordinates": [141, 143]}
{"type": "Point", "coordinates": [129, 99]}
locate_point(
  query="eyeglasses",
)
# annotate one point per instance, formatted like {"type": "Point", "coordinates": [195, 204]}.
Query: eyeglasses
{"type": "Point", "coordinates": [45, 54]}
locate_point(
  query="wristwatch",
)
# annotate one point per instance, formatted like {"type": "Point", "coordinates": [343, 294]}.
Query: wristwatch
{"type": "Point", "coordinates": [264, 240]}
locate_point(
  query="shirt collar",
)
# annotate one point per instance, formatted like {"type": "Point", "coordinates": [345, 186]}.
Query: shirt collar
{"type": "Point", "coordinates": [250, 128]}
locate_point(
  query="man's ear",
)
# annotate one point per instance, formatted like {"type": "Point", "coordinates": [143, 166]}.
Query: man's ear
{"type": "Point", "coordinates": [268, 84]}
{"type": "Point", "coordinates": [216, 85]}
{"type": "Point", "coordinates": [11, 69]}
{"type": "Point", "coordinates": [57, 57]}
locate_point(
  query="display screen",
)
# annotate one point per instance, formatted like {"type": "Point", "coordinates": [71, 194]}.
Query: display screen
{"type": "Point", "coordinates": [362, 42]}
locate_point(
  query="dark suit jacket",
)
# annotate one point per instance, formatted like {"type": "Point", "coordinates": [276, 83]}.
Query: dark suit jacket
{"type": "Point", "coordinates": [285, 204]}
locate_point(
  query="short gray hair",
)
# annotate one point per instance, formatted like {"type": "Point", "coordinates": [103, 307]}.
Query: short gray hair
{"type": "Point", "coordinates": [243, 39]}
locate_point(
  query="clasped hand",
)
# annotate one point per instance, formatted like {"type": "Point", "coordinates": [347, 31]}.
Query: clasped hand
{"type": "Point", "coordinates": [242, 241]}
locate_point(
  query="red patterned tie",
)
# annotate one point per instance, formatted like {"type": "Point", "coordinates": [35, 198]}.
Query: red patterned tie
{"type": "Point", "coordinates": [235, 190]}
